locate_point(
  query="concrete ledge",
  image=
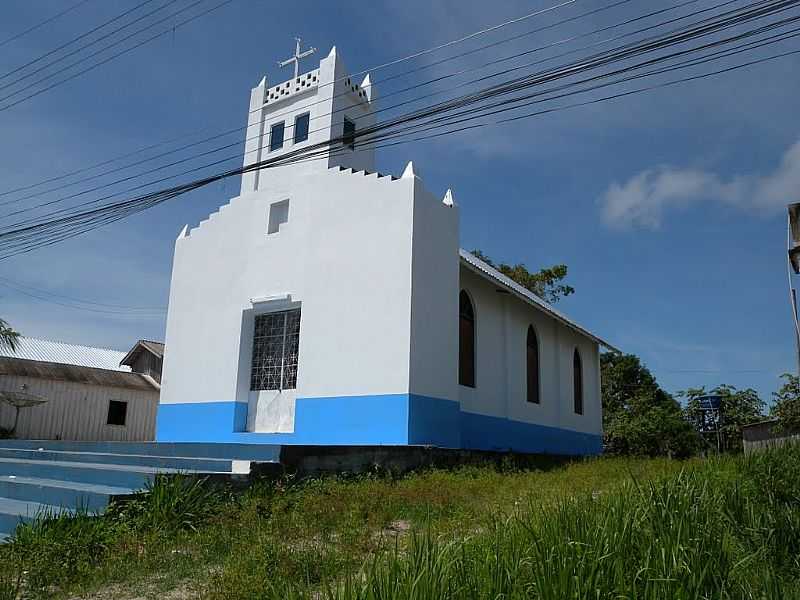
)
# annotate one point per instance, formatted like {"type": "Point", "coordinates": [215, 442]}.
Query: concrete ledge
{"type": "Point", "coordinates": [314, 460]}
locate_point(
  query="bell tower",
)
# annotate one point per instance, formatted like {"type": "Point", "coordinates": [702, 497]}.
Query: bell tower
{"type": "Point", "coordinates": [310, 109]}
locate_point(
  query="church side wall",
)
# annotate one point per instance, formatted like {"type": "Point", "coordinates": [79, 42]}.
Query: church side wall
{"type": "Point", "coordinates": [343, 257]}
{"type": "Point", "coordinates": [495, 414]}
{"type": "Point", "coordinates": [433, 410]}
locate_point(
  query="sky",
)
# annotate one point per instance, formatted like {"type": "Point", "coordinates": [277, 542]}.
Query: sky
{"type": "Point", "coordinates": [669, 207]}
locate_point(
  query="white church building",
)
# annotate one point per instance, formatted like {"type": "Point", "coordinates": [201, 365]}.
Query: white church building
{"type": "Point", "coordinates": [328, 304]}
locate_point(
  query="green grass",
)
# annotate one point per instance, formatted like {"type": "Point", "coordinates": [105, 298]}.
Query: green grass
{"type": "Point", "coordinates": [597, 528]}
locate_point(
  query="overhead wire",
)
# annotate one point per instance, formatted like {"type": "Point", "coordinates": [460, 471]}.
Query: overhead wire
{"type": "Point", "coordinates": [337, 80]}
{"type": "Point", "coordinates": [40, 24]}
{"type": "Point", "coordinates": [379, 110]}
{"type": "Point", "coordinates": [116, 55]}
{"type": "Point", "coordinates": [78, 50]}
{"type": "Point", "coordinates": [102, 215]}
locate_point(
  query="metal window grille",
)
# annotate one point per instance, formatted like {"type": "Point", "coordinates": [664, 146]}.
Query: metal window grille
{"type": "Point", "coordinates": [276, 341]}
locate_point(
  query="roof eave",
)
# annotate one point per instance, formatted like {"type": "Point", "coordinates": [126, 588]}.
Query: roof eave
{"type": "Point", "coordinates": [491, 274]}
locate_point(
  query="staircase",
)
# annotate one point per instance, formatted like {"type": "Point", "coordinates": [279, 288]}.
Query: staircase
{"type": "Point", "coordinates": [53, 476]}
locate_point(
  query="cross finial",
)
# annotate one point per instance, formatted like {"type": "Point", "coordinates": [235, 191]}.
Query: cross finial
{"type": "Point", "coordinates": [296, 58]}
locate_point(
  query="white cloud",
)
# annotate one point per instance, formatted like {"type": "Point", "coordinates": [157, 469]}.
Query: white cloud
{"type": "Point", "coordinates": [644, 198]}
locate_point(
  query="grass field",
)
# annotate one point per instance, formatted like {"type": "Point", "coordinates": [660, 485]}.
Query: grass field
{"type": "Point", "coordinates": [597, 528]}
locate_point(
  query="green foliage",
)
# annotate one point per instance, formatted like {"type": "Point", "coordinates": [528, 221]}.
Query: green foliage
{"type": "Point", "coordinates": [692, 535]}
{"type": "Point", "coordinates": [171, 503]}
{"type": "Point", "coordinates": [725, 528]}
{"type": "Point", "coordinates": [639, 417]}
{"type": "Point", "coordinates": [8, 337]}
{"type": "Point", "coordinates": [546, 283]}
{"type": "Point", "coordinates": [10, 583]}
{"type": "Point", "coordinates": [737, 409]}
{"type": "Point", "coordinates": [56, 549]}
{"type": "Point", "coordinates": [786, 408]}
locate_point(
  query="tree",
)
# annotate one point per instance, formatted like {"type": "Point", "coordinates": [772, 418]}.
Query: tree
{"type": "Point", "coordinates": [8, 337]}
{"type": "Point", "coordinates": [639, 417]}
{"type": "Point", "coordinates": [546, 283]}
{"type": "Point", "coordinates": [737, 409]}
{"type": "Point", "coordinates": [786, 408]}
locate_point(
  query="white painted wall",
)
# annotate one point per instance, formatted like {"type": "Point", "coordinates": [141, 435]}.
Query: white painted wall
{"type": "Point", "coordinates": [501, 322]}
{"type": "Point", "coordinates": [328, 94]}
{"type": "Point", "coordinates": [344, 257]}
{"type": "Point", "coordinates": [78, 411]}
{"type": "Point", "coordinates": [434, 297]}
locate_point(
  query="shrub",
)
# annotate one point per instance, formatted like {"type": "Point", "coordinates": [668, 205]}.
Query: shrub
{"type": "Point", "coordinates": [170, 503]}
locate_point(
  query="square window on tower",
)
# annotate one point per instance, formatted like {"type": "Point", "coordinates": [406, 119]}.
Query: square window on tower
{"type": "Point", "coordinates": [349, 134]}
{"type": "Point", "coordinates": [276, 136]}
{"type": "Point", "coordinates": [301, 128]}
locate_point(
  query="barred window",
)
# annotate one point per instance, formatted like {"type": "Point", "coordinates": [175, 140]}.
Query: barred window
{"type": "Point", "coordinates": [275, 343]}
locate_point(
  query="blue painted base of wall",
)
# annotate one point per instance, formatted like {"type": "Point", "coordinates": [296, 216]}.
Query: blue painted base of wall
{"type": "Point", "coordinates": [385, 420]}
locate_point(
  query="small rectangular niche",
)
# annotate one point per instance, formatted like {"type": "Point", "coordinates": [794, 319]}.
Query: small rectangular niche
{"type": "Point", "coordinates": [278, 214]}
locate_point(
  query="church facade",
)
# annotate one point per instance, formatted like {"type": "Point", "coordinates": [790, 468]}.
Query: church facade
{"type": "Point", "coordinates": [328, 304]}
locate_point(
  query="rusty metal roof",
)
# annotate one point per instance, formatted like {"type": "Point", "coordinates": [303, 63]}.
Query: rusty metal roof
{"type": "Point", "coordinates": [79, 374]}
{"type": "Point", "coordinates": [155, 348]}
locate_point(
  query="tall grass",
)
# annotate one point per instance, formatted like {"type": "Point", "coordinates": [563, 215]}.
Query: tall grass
{"type": "Point", "coordinates": [599, 528]}
{"type": "Point", "coordinates": [693, 535]}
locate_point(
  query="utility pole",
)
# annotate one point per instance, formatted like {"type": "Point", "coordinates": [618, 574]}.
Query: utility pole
{"type": "Point", "coordinates": [793, 264]}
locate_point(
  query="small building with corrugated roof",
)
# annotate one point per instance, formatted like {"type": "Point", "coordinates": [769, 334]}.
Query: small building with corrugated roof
{"type": "Point", "coordinates": [60, 391]}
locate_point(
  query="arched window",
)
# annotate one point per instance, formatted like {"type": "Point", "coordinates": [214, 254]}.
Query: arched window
{"type": "Point", "coordinates": [532, 364]}
{"type": "Point", "coordinates": [466, 341]}
{"type": "Point", "coordinates": [577, 382]}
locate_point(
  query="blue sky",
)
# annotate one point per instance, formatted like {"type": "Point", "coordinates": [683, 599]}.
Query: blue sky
{"type": "Point", "coordinates": [668, 207]}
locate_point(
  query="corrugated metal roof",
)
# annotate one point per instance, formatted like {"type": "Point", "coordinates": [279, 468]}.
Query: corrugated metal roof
{"type": "Point", "coordinates": [76, 373]}
{"type": "Point", "coordinates": [68, 354]}
{"type": "Point", "coordinates": [156, 348]}
{"type": "Point", "coordinates": [479, 267]}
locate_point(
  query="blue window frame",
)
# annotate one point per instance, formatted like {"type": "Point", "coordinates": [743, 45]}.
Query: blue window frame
{"type": "Point", "coordinates": [276, 136]}
{"type": "Point", "coordinates": [301, 128]}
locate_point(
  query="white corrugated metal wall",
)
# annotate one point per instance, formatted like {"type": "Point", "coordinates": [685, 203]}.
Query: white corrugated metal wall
{"type": "Point", "coordinates": [78, 411]}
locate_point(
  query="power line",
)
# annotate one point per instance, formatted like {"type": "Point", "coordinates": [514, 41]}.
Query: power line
{"type": "Point", "coordinates": [80, 49]}
{"type": "Point", "coordinates": [27, 287]}
{"type": "Point", "coordinates": [384, 109]}
{"type": "Point", "coordinates": [154, 199]}
{"type": "Point", "coordinates": [113, 56]}
{"type": "Point", "coordinates": [371, 69]}
{"type": "Point", "coordinates": [25, 239]}
{"type": "Point", "coordinates": [43, 23]}
{"type": "Point", "coordinates": [75, 39]}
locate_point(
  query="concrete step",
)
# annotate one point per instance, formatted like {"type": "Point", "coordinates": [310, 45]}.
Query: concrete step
{"type": "Point", "coordinates": [55, 492]}
{"type": "Point", "coordinates": [167, 462]}
{"type": "Point", "coordinates": [231, 451]}
{"type": "Point", "coordinates": [14, 512]}
{"type": "Point", "coordinates": [130, 476]}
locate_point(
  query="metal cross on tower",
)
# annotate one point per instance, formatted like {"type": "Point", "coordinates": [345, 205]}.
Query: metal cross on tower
{"type": "Point", "coordinates": [296, 58]}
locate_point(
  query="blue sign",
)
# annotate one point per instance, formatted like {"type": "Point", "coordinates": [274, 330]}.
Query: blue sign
{"type": "Point", "coordinates": [710, 402]}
